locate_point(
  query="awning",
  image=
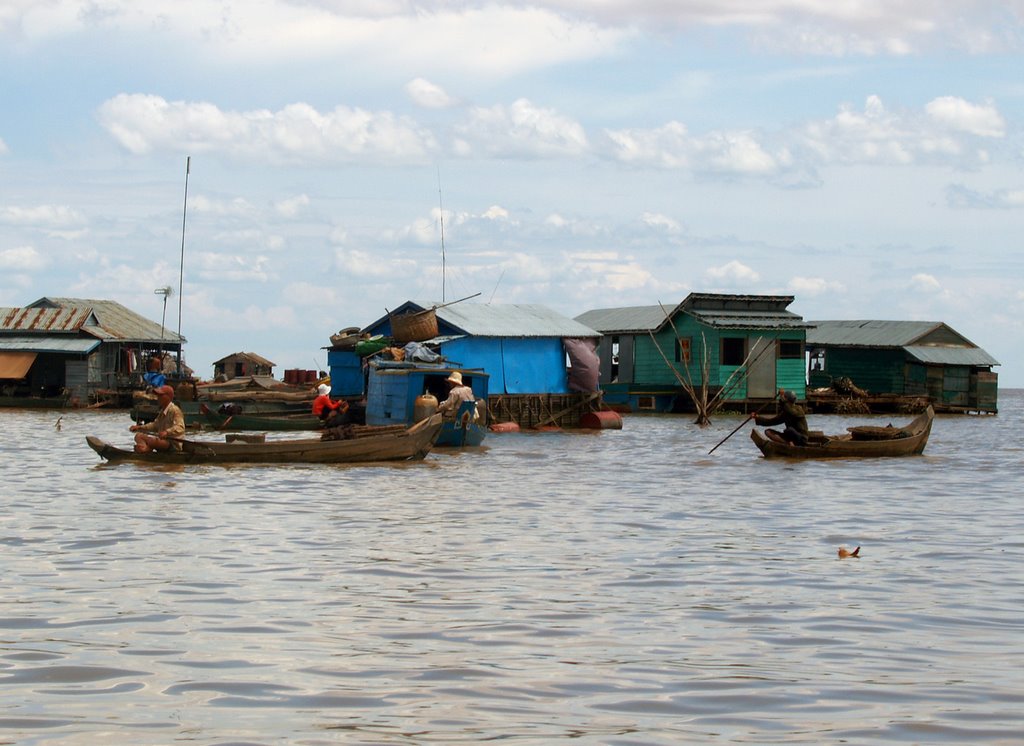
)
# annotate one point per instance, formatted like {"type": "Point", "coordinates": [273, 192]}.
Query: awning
{"type": "Point", "coordinates": [57, 343]}
{"type": "Point", "coordinates": [15, 364]}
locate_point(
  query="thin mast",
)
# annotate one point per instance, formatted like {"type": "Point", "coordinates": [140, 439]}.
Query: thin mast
{"type": "Point", "coordinates": [440, 206]}
{"type": "Point", "coordinates": [181, 270]}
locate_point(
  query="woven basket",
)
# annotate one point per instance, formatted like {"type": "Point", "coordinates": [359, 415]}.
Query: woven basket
{"type": "Point", "coordinates": [414, 327]}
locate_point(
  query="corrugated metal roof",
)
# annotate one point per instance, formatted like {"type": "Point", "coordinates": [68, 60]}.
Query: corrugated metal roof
{"type": "Point", "coordinates": [943, 355]}
{"type": "Point", "coordinates": [508, 320]}
{"type": "Point", "coordinates": [46, 320]}
{"type": "Point", "coordinates": [735, 302]}
{"type": "Point", "coordinates": [626, 320]}
{"type": "Point", "coordinates": [868, 333]}
{"type": "Point", "coordinates": [49, 343]}
{"type": "Point", "coordinates": [115, 322]}
{"type": "Point", "coordinates": [753, 312]}
{"type": "Point", "coordinates": [750, 319]}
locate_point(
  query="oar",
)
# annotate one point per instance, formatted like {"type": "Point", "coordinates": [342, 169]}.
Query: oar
{"type": "Point", "coordinates": [755, 414]}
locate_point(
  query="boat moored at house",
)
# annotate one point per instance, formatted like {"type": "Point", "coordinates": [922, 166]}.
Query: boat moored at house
{"type": "Point", "coordinates": [523, 349]}
{"type": "Point", "coordinates": [407, 392]}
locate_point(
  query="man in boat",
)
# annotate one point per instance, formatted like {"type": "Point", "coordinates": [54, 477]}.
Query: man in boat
{"type": "Point", "coordinates": [169, 425]}
{"type": "Point", "coordinates": [458, 392]}
{"type": "Point", "coordinates": [792, 415]}
{"type": "Point", "coordinates": [331, 413]}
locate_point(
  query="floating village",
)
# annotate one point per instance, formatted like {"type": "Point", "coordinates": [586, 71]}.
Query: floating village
{"type": "Point", "coordinates": [527, 366]}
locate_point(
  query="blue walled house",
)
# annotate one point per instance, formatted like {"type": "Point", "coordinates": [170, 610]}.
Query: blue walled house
{"type": "Point", "coordinates": [519, 346]}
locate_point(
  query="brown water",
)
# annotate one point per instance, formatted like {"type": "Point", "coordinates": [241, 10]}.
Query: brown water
{"type": "Point", "coordinates": [619, 587]}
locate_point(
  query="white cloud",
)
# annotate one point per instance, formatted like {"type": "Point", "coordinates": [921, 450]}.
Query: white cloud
{"type": "Point", "coordinates": [231, 268]}
{"type": "Point", "coordinates": [3, 147]}
{"type": "Point", "coordinates": [959, 196]}
{"type": "Point", "coordinates": [522, 129]}
{"type": "Point", "coordinates": [815, 286]}
{"type": "Point", "coordinates": [672, 146]}
{"type": "Point", "coordinates": [363, 265]}
{"type": "Point", "coordinates": [428, 95]}
{"type": "Point", "coordinates": [495, 212]}
{"type": "Point", "coordinates": [237, 207]}
{"type": "Point", "coordinates": [309, 295]}
{"type": "Point", "coordinates": [879, 136]}
{"type": "Point", "coordinates": [732, 273]}
{"type": "Point", "coordinates": [292, 206]}
{"type": "Point", "coordinates": [573, 226]}
{"type": "Point", "coordinates": [661, 222]}
{"type": "Point", "coordinates": [297, 133]}
{"type": "Point", "coordinates": [489, 40]}
{"type": "Point", "coordinates": [22, 259]}
{"type": "Point", "coordinates": [957, 114]}
{"type": "Point", "coordinates": [42, 216]}
{"type": "Point", "coordinates": [925, 283]}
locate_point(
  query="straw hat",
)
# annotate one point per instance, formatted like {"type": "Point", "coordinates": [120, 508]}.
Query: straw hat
{"type": "Point", "coordinates": [322, 389]}
{"type": "Point", "coordinates": [455, 378]}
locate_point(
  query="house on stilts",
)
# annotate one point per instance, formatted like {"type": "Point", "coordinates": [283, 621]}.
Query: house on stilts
{"type": "Point", "coordinates": [522, 348]}
{"type": "Point", "coordinates": [887, 365]}
{"type": "Point", "coordinates": [749, 346]}
{"type": "Point", "coordinates": [76, 351]}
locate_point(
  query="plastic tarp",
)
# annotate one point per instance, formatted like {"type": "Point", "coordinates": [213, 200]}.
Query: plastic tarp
{"type": "Point", "coordinates": [420, 352]}
{"type": "Point", "coordinates": [585, 365]}
{"type": "Point", "coordinates": [15, 365]}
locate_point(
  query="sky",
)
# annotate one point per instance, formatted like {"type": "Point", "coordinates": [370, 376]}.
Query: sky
{"type": "Point", "coordinates": [344, 156]}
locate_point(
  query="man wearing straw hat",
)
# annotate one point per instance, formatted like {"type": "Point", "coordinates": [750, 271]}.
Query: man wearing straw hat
{"type": "Point", "coordinates": [458, 393]}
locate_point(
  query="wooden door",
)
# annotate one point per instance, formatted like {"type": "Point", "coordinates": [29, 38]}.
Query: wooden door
{"type": "Point", "coordinates": [761, 369]}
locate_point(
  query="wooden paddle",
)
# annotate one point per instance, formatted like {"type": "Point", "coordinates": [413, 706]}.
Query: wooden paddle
{"type": "Point", "coordinates": [755, 414]}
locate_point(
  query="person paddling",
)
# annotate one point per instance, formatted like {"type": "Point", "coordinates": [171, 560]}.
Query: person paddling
{"type": "Point", "coordinates": [792, 415]}
{"type": "Point", "coordinates": [169, 425]}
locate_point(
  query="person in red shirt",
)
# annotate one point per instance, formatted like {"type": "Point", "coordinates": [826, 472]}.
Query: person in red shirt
{"type": "Point", "coordinates": [330, 412]}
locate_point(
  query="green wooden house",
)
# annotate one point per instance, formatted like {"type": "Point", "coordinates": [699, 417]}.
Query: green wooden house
{"type": "Point", "coordinates": [753, 346]}
{"type": "Point", "coordinates": [904, 358]}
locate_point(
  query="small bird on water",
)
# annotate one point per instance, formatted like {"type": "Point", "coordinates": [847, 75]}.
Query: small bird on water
{"type": "Point", "coordinates": [844, 553]}
{"type": "Point", "coordinates": [56, 425]}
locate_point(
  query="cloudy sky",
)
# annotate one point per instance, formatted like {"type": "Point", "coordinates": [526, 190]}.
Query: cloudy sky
{"type": "Point", "coordinates": [864, 156]}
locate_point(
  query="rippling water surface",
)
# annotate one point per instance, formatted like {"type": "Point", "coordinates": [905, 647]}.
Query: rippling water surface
{"type": "Point", "coordinates": [619, 587]}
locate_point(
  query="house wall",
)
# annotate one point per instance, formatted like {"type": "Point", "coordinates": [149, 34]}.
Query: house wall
{"type": "Point", "coordinates": [240, 367]}
{"type": "Point", "coordinates": [517, 365]}
{"type": "Point", "coordinates": [346, 373]}
{"type": "Point", "coordinates": [705, 341]}
{"type": "Point", "coordinates": [878, 371]}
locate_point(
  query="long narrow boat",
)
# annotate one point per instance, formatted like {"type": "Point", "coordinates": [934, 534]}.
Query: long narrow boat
{"type": "Point", "coordinates": [146, 411]}
{"type": "Point", "coordinates": [211, 420]}
{"type": "Point", "coordinates": [857, 442]}
{"type": "Point", "coordinates": [368, 444]}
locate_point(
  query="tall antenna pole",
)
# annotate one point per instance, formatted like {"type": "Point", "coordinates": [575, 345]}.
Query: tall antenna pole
{"type": "Point", "coordinates": [440, 205]}
{"type": "Point", "coordinates": [181, 270]}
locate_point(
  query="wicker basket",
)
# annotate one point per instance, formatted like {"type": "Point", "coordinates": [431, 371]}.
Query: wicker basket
{"type": "Point", "coordinates": [414, 327]}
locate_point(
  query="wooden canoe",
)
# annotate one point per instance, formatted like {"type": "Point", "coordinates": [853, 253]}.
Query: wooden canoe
{"type": "Point", "coordinates": [368, 445]}
{"type": "Point", "coordinates": [903, 441]}
{"type": "Point", "coordinates": [277, 422]}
